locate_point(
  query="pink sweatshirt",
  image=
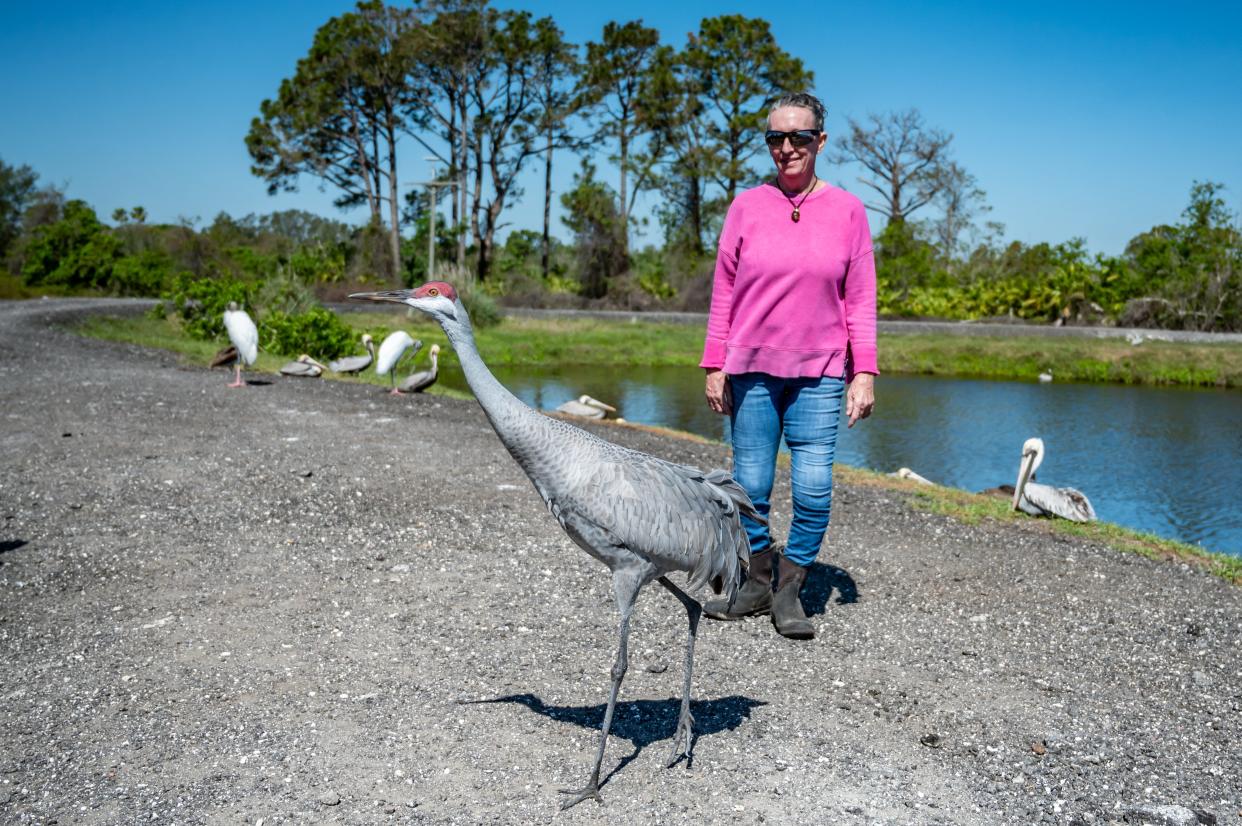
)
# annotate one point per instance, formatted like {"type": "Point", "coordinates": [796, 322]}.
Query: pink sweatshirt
{"type": "Point", "coordinates": [793, 300]}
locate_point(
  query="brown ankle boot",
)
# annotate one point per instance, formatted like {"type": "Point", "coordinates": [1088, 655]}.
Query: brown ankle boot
{"type": "Point", "coordinates": [755, 595]}
{"type": "Point", "coordinates": [787, 614]}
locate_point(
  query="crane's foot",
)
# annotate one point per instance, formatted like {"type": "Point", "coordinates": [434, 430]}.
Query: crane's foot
{"type": "Point", "coordinates": [579, 795]}
{"type": "Point", "coordinates": [236, 384]}
{"type": "Point", "coordinates": [682, 740]}
{"type": "Point", "coordinates": [396, 392]}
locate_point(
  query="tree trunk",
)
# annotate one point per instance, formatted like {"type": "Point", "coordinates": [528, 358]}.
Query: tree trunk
{"type": "Point", "coordinates": [461, 182]}
{"type": "Point", "coordinates": [393, 204]}
{"type": "Point", "coordinates": [625, 212]}
{"type": "Point", "coordinates": [547, 204]}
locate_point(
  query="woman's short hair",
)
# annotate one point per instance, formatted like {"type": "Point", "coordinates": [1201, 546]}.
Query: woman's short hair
{"type": "Point", "coordinates": [803, 100]}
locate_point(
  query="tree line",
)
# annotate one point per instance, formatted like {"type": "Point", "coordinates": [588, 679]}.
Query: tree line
{"type": "Point", "coordinates": [490, 93]}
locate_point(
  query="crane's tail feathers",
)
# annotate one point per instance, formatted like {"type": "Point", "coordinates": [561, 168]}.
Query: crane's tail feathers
{"type": "Point", "coordinates": [725, 481]}
{"type": "Point", "coordinates": [722, 567]}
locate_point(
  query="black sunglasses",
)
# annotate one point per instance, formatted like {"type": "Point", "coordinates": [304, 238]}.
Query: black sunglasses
{"type": "Point", "coordinates": [800, 137]}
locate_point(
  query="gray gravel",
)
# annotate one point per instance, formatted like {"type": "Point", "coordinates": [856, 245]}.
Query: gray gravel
{"type": "Point", "coordinates": [307, 602]}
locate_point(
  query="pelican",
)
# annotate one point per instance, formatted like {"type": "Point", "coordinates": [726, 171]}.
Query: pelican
{"type": "Point", "coordinates": [355, 364]}
{"type": "Point", "coordinates": [420, 381]}
{"type": "Point", "coordinates": [391, 352]}
{"type": "Point", "coordinates": [244, 336]}
{"type": "Point", "coordinates": [586, 407]}
{"type": "Point", "coordinates": [906, 473]}
{"type": "Point", "coordinates": [304, 366]}
{"type": "Point", "coordinates": [1044, 500]}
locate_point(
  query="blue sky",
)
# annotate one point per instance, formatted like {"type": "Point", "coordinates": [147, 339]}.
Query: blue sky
{"type": "Point", "coordinates": [1079, 119]}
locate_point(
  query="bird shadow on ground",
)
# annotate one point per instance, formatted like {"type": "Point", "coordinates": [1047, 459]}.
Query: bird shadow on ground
{"type": "Point", "coordinates": [257, 382]}
{"type": "Point", "coordinates": [642, 722]}
{"type": "Point", "coordinates": [7, 545]}
{"type": "Point", "coordinates": [821, 581]}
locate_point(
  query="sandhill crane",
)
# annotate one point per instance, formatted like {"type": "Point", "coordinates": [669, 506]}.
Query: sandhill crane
{"type": "Point", "coordinates": [420, 381]}
{"type": "Point", "coordinates": [641, 516]}
{"type": "Point", "coordinates": [586, 407]}
{"type": "Point", "coordinates": [355, 364]}
{"type": "Point", "coordinates": [244, 336]}
{"type": "Point", "coordinates": [1045, 500]}
{"type": "Point", "coordinates": [392, 350]}
{"type": "Point", "coordinates": [304, 366]}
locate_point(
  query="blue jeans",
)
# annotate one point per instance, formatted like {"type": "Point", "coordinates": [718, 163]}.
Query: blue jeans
{"type": "Point", "coordinates": [807, 411]}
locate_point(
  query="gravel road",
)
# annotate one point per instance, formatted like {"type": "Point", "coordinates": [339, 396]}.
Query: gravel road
{"type": "Point", "coordinates": [307, 602]}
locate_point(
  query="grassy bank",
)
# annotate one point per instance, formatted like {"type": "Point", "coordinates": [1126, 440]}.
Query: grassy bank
{"type": "Point", "coordinates": [547, 342]}
{"type": "Point", "coordinates": [1110, 360]}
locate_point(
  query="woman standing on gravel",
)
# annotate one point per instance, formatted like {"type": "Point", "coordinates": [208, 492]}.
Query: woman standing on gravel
{"type": "Point", "coordinates": [790, 334]}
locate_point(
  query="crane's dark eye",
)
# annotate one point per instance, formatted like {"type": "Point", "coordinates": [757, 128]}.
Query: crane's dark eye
{"type": "Point", "coordinates": [433, 291]}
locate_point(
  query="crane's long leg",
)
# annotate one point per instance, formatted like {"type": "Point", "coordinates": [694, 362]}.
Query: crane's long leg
{"type": "Point", "coordinates": [683, 739]}
{"type": "Point", "coordinates": [626, 590]}
{"type": "Point", "coordinates": [237, 382]}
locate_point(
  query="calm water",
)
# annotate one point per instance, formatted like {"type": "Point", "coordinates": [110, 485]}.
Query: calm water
{"type": "Point", "coordinates": [1159, 460]}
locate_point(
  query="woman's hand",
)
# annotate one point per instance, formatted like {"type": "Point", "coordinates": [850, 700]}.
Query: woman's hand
{"type": "Point", "coordinates": [860, 397]}
{"type": "Point", "coordinates": [719, 397]}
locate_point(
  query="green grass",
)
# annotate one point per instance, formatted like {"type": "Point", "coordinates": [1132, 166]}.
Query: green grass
{"type": "Point", "coordinates": [1085, 359]}
{"type": "Point", "coordinates": [551, 342]}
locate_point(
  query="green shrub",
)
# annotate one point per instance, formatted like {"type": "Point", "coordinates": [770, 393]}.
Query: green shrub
{"type": "Point", "coordinates": [318, 331]}
{"type": "Point", "coordinates": [148, 273]}
{"type": "Point", "coordinates": [200, 303]}
{"type": "Point", "coordinates": [483, 309]}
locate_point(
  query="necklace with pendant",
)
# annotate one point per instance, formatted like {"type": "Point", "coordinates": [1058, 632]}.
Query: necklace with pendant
{"type": "Point", "coordinates": [797, 208]}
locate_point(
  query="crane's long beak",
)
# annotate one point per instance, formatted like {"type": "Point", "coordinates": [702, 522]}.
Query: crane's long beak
{"type": "Point", "coordinates": [395, 296]}
{"type": "Point", "coordinates": [1024, 475]}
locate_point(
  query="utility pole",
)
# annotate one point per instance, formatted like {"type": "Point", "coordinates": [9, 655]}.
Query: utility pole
{"type": "Point", "coordinates": [433, 187]}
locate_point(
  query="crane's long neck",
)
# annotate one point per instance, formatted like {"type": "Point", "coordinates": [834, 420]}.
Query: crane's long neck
{"type": "Point", "coordinates": [503, 409]}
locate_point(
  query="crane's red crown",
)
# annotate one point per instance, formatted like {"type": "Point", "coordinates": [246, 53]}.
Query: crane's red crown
{"type": "Point", "coordinates": [434, 288]}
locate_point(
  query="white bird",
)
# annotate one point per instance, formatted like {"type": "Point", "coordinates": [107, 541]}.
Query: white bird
{"type": "Point", "coordinates": [641, 516]}
{"type": "Point", "coordinates": [586, 407]}
{"type": "Point", "coordinates": [1045, 500]}
{"type": "Point", "coordinates": [392, 350]}
{"type": "Point", "coordinates": [1045, 376]}
{"type": "Point", "coordinates": [244, 336]}
{"type": "Point", "coordinates": [304, 366]}
{"type": "Point", "coordinates": [355, 364]}
{"type": "Point", "coordinates": [420, 381]}
{"type": "Point", "coordinates": [906, 473]}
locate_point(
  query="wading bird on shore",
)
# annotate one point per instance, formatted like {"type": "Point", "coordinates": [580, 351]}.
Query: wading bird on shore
{"type": "Point", "coordinates": [392, 350]}
{"type": "Point", "coordinates": [586, 407]}
{"type": "Point", "coordinates": [304, 366]}
{"type": "Point", "coordinates": [641, 516]}
{"type": "Point", "coordinates": [244, 336]}
{"type": "Point", "coordinates": [420, 381]}
{"type": "Point", "coordinates": [355, 364]}
{"type": "Point", "coordinates": [1044, 500]}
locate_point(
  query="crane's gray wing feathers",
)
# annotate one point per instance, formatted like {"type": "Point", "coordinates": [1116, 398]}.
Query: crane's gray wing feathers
{"type": "Point", "coordinates": [675, 516]}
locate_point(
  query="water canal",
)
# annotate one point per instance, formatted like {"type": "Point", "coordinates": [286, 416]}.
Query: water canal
{"type": "Point", "coordinates": [1166, 461]}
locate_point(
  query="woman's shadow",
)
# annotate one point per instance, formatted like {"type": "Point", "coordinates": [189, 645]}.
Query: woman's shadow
{"type": "Point", "coordinates": [821, 581]}
{"type": "Point", "coordinates": [642, 722]}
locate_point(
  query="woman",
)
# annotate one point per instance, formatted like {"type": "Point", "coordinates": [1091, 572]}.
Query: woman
{"type": "Point", "coordinates": [790, 335]}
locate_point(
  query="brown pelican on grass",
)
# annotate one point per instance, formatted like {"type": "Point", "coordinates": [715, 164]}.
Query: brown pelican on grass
{"type": "Point", "coordinates": [244, 337]}
{"type": "Point", "coordinates": [393, 349]}
{"type": "Point", "coordinates": [1044, 500]}
{"type": "Point", "coordinates": [586, 407]}
{"type": "Point", "coordinates": [355, 364]}
{"type": "Point", "coordinates": [305, 366]}
{"type": "Point", "coordinates": [420, 381]}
